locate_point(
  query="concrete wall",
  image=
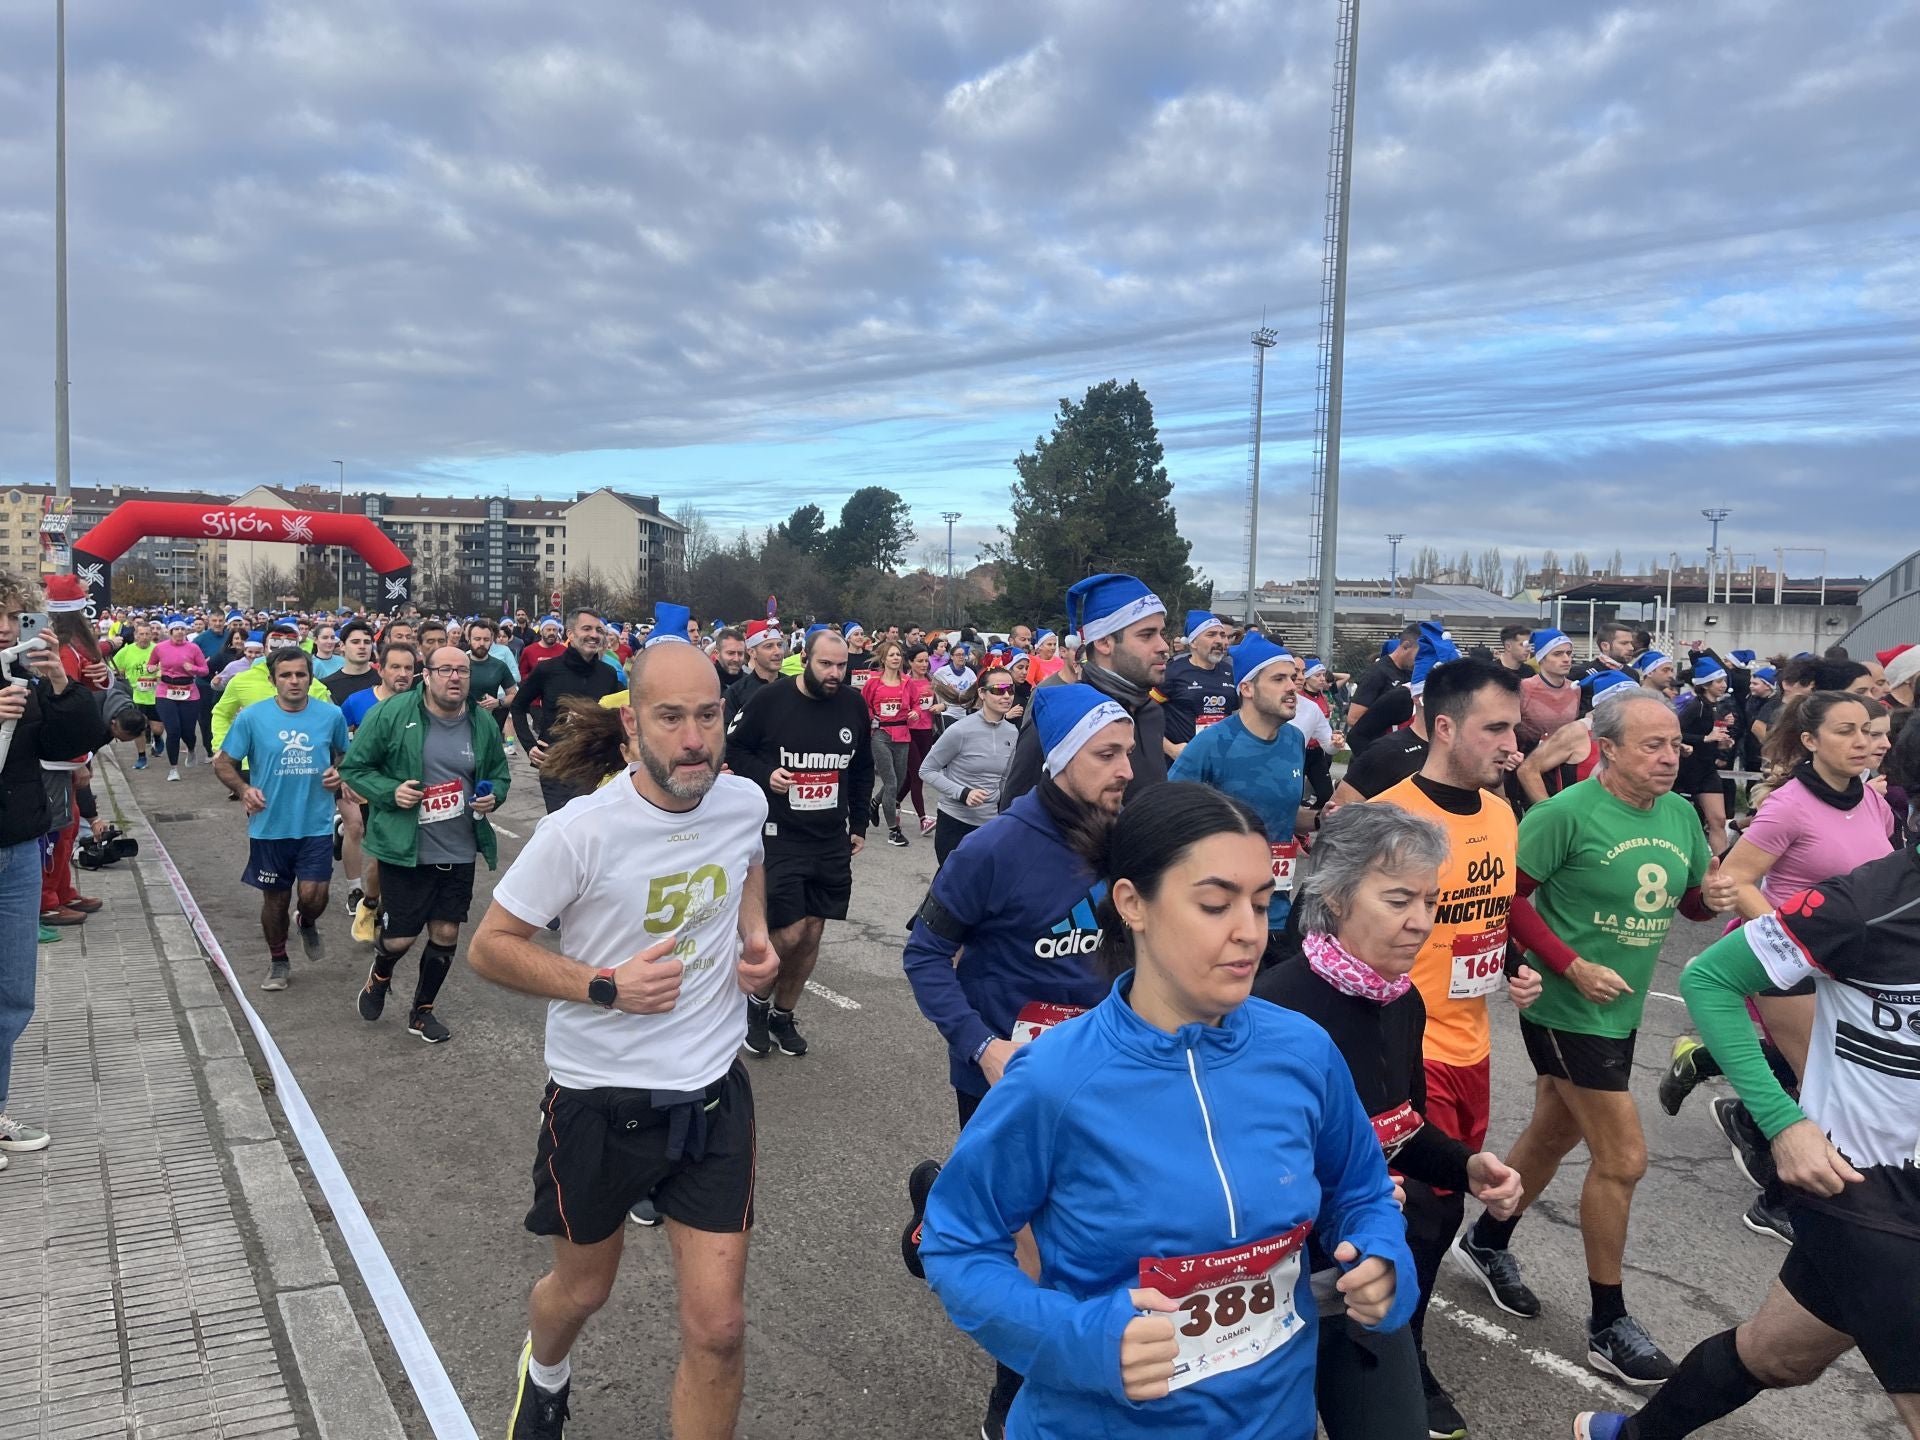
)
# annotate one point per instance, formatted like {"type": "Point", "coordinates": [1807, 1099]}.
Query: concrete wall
{"type": "Point", "coordinates": [1770, 630]}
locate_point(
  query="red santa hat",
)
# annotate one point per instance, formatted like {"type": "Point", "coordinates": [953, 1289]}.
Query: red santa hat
{"type": "Point", "coordinates": [761, 631]}
{"type": "Point", "coordinates": [65, 594]}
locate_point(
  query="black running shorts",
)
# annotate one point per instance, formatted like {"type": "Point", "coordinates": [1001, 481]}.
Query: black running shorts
{"type": "Point", "coordinates": [1593, 1062]}
{"type": "Point", "coordinates": [812, 882]}
{"type": "Point", "coordinates": [412, 895]}
{"type": "Point", "coordinates": [603, 1151]}
{"type": "Point", "coordinates": [1862, 1282]}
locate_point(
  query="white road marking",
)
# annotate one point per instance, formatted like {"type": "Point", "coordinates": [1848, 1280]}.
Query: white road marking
{"type": "Point", "coordinates": [832, 997]}
{"type": "Point", "coordinates": [501, 829]}
{"type": "Point", "coordinates": [1662, 995]}
{"type": "Point", "coordinates": [1553, 1364]}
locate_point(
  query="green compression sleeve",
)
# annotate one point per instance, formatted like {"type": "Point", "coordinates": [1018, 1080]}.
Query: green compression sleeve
{"type": "Point", "coordinates": [1715, 987]}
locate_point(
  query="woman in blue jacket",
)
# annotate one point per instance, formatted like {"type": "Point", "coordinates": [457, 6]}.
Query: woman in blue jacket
{"type": "Point", "coordinates": [1172, 1151]}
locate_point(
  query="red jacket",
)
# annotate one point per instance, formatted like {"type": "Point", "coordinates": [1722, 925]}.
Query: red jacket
{"type": "Point", "coordinates": [533, 652]}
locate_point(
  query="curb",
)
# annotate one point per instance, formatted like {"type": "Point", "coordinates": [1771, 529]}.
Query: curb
{"type": "Point", "coordinates": [334, 1365]}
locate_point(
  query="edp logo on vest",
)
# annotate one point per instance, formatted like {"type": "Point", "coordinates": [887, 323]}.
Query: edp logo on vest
{"type": "Point", "coordinates": [1075, 933]}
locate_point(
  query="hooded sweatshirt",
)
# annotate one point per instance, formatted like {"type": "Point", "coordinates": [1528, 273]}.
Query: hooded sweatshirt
{"type": "Point", "coordinates": [1021, 902]}
{"type": "Point", "coordinates": [1129, 1150]}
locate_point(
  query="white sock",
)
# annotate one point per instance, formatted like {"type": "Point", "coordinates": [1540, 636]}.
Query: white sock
{"type": "Point", "coordinates": [550, 1377]}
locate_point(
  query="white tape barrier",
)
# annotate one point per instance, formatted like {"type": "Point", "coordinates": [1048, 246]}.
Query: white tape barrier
{"type": "Point", "coordinates": [442, 1407]}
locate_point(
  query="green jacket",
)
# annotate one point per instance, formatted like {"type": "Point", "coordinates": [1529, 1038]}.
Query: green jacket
{"type": "Point", "coordinates": [387, 751]}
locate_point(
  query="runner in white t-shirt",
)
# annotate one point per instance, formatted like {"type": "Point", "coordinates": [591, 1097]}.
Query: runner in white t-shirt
{"type": "Point", "coordinates": [646, 1096]}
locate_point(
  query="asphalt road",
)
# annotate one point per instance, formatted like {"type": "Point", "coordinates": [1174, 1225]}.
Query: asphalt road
{"type": "Point", "coordinates": [439, 1142]}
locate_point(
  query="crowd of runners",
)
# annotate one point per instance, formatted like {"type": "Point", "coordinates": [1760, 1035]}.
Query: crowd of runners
{"type": "Point", "coordinates": [1204, 910]}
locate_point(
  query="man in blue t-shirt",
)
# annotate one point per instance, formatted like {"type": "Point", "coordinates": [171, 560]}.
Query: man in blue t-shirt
{"type": "Point", "coordinates": [1255, 756]}
{"type": "Point", "coordinates": [290, 748]}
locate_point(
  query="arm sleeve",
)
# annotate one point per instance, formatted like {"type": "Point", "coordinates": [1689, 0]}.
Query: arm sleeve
{"type": "Point", "coordinates": [963, 882]}
{"type": "Point", "coordinates": [523, 702]}
{"type": "Point", "coordinates": [1356, 1192]}
{"type": "Point", "coordinates": [933, 769]}
{"type": "Point", "coordinates": [1434, 1158]}
{"type": "Point", "coordinates": [994, 1183]}
{"type": "Point", "coordinates": [1533, 932]}
{"type": "Point", "coordinates": [1716, 986]}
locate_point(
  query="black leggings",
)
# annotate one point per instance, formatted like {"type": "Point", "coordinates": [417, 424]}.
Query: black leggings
{"type": "Point", "coordinates": [1319, 772]}
{"type": "Point", "coordinates": [182, 719]}
{"type": "Point", "coordinates": [947, 834]}
{"type": "Point", "coordinates": [1370, 1390]}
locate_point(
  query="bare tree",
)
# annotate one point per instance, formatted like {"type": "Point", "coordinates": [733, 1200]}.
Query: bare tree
{"type": "Point", "coordinates": [699, 541]}
{"type": "Point", "coordinates": [1550, 570]}
{"type": "Point", "coordinates": [1521, 571]}
{"type": "Point", "coordinates": [1489, 572]}
{"type": "Point", "coordinates": [1580, 567]}
{"type": "Point", "coordinates": [1616, 564]}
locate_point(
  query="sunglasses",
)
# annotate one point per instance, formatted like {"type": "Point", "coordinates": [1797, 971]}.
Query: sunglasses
{"type": "Point", "coordinates": [998, 689]}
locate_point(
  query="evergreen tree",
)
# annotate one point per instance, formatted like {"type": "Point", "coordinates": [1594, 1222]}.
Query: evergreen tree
{"type": "Point", "coordinates": [1094, 496]}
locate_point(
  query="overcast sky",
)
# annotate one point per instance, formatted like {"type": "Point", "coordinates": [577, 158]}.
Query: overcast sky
{"type": "Point", "coordinates": [1610, 263]}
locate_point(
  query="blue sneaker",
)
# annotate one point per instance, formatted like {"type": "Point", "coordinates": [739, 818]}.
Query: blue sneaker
{"type": "Point", "coordinates": [1598, 1425]}
{"type": "Point", "coordinates": [139, 762]}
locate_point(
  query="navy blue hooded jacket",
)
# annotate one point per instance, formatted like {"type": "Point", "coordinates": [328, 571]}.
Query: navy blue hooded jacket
{"type": "Point", "coordinates": [1017, 903]}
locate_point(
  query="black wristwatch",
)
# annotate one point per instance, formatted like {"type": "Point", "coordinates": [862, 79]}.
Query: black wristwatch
{"type": "Point", "coordinates": [602, 991]}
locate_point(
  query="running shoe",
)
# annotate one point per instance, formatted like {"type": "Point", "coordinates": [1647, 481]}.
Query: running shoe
{"type": "Point", "coordinates": [140, 762]}
{"type": "Point", "coordinates": [366, 922]}
{"type": "Point", "coordinates": [173, 772]}
{"type": "Point", "coordinates": [1684, 1072]}
{"type": "Point", "coordinates": [1599, 1425]}
{"type": "Point", "coordinates": [19, 1136]}
{"type": "Point", "coordinates": [1773, 1221]}
{"type": "Point", "coordinates": [3, 1162]}
{"type": "Point", "coordinates": [1751, 1152]}
{"type": "Point", "coordinates": [919, 1186]}
{"type": "Point", "coordinates": [186, 760]}
{"type": "Point", "coordinates": [277, 976]}
{"type": "Point", "coordinates": [1625, 1351]}
{"type": "Point", "coordinates": [926, 825]}
{"type": "Point", "coordinates": [1443, 1416]}
{"type": "Point", "coordinates": [49, 935]}
{"type": "Point", "coordinates": [758, 1042]}
{"type": "Point", "coordinates": [354, 897]}
{"type": "Point", "coordinates": [1499, 1273]}
{"type": "Point", "coordinates": [537, 1414]}
{"type": "Point", "coordinates": [785, 1033]}
{"type": "Point", "coordinates": [643, 1213]}
{"type": "Point", "coordinates": [896, 839]}
{"type": "Point", "coordinates": [310, 939]}
{"type": "Point", "coordinates": [373, 996]}
{"type": "Point", "coordinates": [424, 1023]}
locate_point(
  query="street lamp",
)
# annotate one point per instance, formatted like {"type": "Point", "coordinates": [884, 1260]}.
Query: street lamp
{"type": "Point", "coordinates": [1393, 566]}
{"type": "Point", "coordinates": [339, 553]}
{"type": "Point", "coordinates": [1715, 515]}
{"type": "Point", "coordinates": [952, 610]}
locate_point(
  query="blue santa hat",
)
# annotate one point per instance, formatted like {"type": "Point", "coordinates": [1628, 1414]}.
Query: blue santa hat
{"type": "Point", "coordinates": [1603, 682]}
{"type": "Point", "coordinates": [180, 620]}
{"type": "Point", "coordinates": [1103, 605]}
{"type": "Point", "coordinates": [1744, 658]}
{"type": "Point", "coordinates": [669, 624]}
{"type": "Point", "coordinates": [1645, 664]}
{"type": "Point", "coordinates": [1045, 635]}
{"type": "Point", "coordinates": [1706, 670]}
{"type": "Point", "coordinates": [853, 628]}
{"type": "Point", "coordinates": [1314, 666]}
{"type": "Point", "coordinates": [813, 630]}
{"type": "Point", "coordinates": [1436, 648]}
{"type": "Point", "coordinates": [1254, 654]}
{"type": "Point", "coordinates": [1068, 716]}
{"type": "Point", "coordinates": [1198, 620]}
{"type": "Point", "coordinates": [1548, 640]}
{"type": "Point", "coordinates": [1768, 674]}
{"type": "Point", "coordinates": [256, 637]}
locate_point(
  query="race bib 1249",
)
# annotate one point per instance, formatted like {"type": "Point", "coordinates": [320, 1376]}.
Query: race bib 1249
{"type": "Point", "coordinates": [814, 790]}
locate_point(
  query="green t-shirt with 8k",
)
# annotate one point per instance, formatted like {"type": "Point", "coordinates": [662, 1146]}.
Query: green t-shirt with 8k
{"type": "Point", "coordinates": [1610, 877]}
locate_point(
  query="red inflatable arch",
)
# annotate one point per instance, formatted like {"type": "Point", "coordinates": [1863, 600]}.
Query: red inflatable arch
{"type": "Point", "coordinates": [132, 522]}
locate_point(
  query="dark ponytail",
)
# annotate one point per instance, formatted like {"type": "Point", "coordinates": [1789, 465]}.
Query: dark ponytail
{"type": "Point", "coordinates": [1154, 834]}
{"type": "Point", "coordinates": [589, 743]}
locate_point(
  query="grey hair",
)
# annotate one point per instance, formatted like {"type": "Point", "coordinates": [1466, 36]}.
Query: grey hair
{"type": "Point", "coordinates": [1610, 715]}
{"type": "Point", "coordinates": [1355, 840]}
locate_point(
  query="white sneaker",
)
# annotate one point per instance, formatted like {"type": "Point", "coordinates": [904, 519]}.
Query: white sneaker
{"type": "Point", "coordinates": [3, 1162]}
{"type": "Point", "coordinates": [14, 1135]}
{"type": "Point", "coordinates": [186, 761]}
{"type": "Point", "coordinates": [173, 773]}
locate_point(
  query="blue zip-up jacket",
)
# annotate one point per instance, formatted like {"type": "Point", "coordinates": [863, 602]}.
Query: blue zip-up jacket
{"type": "Point", "coordinates": [1267, 775]}
{"type": "Point", "coordinates": [1026, 902]}
{"type": "Point", "coordinates": [1119, 1142]}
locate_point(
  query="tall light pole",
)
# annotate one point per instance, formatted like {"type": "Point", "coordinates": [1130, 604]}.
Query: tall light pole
{"type": "Point", "coordinates": [339, 553]}
{"type": "Point", "coordinates": [62, 460]}
{"type": "Point", "coordinates": [1393, 565]}
{"type": "Point", "coordinates": [953, 614]}
{"type": "Point", "coordinates": [1263, 341]}
{"type": "Point", "coordinates": [1715, 514]}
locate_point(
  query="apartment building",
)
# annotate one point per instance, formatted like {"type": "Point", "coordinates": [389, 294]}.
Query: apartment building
{"type": "Point", "coordinates": [161, 569]}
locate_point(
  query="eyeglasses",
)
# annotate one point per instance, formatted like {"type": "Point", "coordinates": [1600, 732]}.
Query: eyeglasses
{"type": "Point", "coordinates": [449, 670]}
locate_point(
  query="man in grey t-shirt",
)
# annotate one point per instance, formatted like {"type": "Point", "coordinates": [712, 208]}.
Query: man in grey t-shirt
{"type": "Point", "coordinates": [426, 824]}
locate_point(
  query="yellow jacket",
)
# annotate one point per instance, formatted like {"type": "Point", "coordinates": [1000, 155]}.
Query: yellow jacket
{"type": "Point", "coordinates": [243, 690]}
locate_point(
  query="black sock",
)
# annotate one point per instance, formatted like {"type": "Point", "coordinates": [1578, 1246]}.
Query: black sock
{"type": "Point", "coordinates": [1492, 1234]}
{"type": "Point", "coordinates": [1710, 1384]}
{"type": "Point", "coordinates": [435, 962]}
{"type": "Point", "coordinates": [384, 960]}
{"type": "Point", "coordinates": [1609, 1305]}
{"type": "Point", "coordinates": [1006, 1385]}
{"type": "Point", "coordinates": [277, 953]}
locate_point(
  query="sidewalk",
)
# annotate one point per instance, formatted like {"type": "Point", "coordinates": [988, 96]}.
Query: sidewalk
{"type": "Point", "coordinates": [164, 1273]}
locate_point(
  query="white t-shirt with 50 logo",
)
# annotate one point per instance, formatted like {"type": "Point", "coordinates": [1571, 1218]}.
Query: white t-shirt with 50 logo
{"type": "Point", "coordinates": [620, 874]}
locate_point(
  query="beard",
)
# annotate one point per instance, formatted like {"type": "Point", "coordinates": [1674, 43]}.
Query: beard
{"type": "Point", "coordinates": [673, 781]}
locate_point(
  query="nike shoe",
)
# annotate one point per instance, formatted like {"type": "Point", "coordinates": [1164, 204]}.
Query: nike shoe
{"type": "Point", "coordinates": [1684, 1072]}
{"type": "Point", "coordinates": [643, 1213]}
{"type": "Point", "coordinates": [1772, 1221]}
{"type": "Point", "coordinates": [537, 1414]}
{"type": "Point", "coordinates": [785, 1033]}
{"type": "Point", "coordinates": [758, 1042]}
{"type": "Point", "coordinates": [140, 762]}
{"type": "Point", "coordinates": [1443, 1416]}
{"type": "Point", "coordinates": [1499, 1273]}
{"type": "Point", "coordinates": [1625, 1351]}
{"type": "Point", "coordinates": [919, 1186]}
{"type": "Point", "coordinates": [896, 839]}
{"type": "Point", "coordinates": [1751, 1152]}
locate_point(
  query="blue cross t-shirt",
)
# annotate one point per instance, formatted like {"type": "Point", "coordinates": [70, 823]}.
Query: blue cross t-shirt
{"type": "Point", "coordinates": [287, 753]}
{"type": "Point", "coordinates": [1265, 774]}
